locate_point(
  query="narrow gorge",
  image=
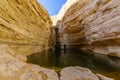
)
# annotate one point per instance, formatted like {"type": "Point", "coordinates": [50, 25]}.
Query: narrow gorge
{"type": "Point", "coordinates": [81, 42]}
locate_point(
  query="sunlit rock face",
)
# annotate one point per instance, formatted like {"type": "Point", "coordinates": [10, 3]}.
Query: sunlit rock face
{"type": "Point", "coordinates": [93, 23]}
{"type": "Point", "coordinates": [14, 69]}
{"type": "Point", "coordinates": [62, 11]}
{"type": "Point", "coordinates": [24, 26]}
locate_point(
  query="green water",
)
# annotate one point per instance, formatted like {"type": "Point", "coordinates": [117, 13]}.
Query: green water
{"type": "Point", "coordinates": [96, 62]}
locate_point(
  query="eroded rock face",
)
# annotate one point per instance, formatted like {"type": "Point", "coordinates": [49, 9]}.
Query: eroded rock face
{"type": "Point", "coordinates": [93, 24]}
{"type": "Point", "coordinates": [24, 26]}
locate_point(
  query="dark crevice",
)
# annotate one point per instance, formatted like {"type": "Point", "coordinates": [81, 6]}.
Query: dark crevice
{"type": "Point", "coordinates": [17, 1]}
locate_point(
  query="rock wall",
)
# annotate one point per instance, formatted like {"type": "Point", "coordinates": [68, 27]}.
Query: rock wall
{"type": "Point", "coordinates": [94, 24]}
{"type": "Point", "coordinates": [24, 26]}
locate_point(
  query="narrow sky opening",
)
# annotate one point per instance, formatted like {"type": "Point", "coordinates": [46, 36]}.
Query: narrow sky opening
{"type": "Point", "coordinates": [52, 6]}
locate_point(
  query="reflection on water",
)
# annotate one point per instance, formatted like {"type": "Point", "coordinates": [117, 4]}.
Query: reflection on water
{"type": "Point", "coordinates": [94, 62]}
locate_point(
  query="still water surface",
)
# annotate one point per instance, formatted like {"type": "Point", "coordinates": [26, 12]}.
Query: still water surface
{"type": "Point", "coordinates": [95, 62]}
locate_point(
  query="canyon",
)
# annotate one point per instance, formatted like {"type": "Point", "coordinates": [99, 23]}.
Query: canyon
{"type": "Point", "coordinates": [27, 28]}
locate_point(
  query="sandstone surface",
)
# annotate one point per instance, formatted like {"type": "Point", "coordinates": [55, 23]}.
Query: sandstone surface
{"type": "Point", "coordinates": [79, 73]}
{"type": "Point", "coordinates": [14, 69]}
{"type": "Point", "coordinates": [92, 24]}
{"type": "Point", "coordinates": [24, 26]}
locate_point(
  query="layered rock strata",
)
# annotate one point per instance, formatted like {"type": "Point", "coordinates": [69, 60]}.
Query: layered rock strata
{"type": "Point", "coordinates": [24, 26]}
{"type": "Point", "coordinates": [93, 24]}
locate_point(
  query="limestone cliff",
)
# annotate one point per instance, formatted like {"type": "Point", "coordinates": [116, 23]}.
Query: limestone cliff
{"type": "Point", "coordinates": [93, 23]}
{"type": "Point", "coordinates": [24, 26]}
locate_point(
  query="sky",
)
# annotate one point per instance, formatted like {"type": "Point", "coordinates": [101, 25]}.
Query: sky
{"type": "Point", "coordinates": [52, 6]}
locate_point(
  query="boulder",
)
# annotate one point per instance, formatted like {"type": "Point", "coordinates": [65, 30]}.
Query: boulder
{"type": "Point", "coordinates": [77, 73]}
